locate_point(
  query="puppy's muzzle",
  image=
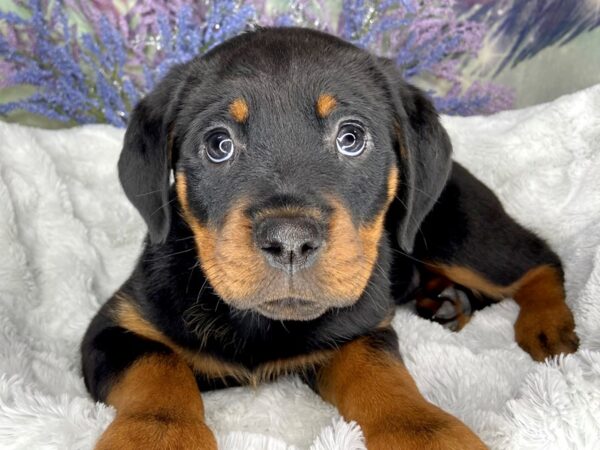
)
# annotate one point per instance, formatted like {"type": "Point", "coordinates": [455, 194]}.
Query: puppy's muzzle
{"type": "Point", "coordinates": [289, 244]}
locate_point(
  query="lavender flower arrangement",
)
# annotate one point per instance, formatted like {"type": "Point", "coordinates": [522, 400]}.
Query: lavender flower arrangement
{"type": "Point", "coordinates": [97, 70]}
{"type": "Point", "coordinates": [97, 76]}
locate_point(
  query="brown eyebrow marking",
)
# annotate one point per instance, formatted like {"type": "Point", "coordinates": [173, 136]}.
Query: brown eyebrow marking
{"type": "Point", "coordinates": [325, 104]}
{"type": "Point", "coordinates": [238, 109]}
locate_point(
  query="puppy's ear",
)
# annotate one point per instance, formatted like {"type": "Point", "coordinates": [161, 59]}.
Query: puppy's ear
{"type": "Point", "coordinates": [424, 154]}
{"type": "Point", "coordinates": [145, 163]}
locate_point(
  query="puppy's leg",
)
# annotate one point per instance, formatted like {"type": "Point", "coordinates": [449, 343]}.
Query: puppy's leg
{"type": "Point", "coordinates": [545, 325]}
{"type": "Point", "coordinates": [368, 383]}
{"type": "Point", "coordinates": [470, 240]}
{"type": "Point", "coordinates": [154, 392]}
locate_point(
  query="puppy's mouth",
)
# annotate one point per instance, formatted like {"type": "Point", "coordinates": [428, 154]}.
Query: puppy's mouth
{"type": "Point", "coordinates": [286, 263]}
{"type": "Point", "coordinates": [291, 309]}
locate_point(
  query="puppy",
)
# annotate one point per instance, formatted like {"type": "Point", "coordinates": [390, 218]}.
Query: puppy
{"type": "Point", "coordinates": [313, 190]}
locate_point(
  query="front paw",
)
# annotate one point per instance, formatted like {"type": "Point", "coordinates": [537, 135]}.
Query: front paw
{"type": "Point", "coordinates": [424, 434]}
{"type": "Point", "coordinates": [156, 432]}
{"type": "Point", "coordinates": [547, 332]}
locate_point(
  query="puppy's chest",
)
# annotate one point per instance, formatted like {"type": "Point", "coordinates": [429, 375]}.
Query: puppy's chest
{"type": "Point", "coordinates": [214, 372]}
{"type": "Point", "coordinates": [230, 359]}
{"type": "Point", "coordinates": [223, 358]}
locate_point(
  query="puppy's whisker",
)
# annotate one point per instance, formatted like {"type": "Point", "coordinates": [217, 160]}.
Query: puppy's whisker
{"type": "Point", "coordinates": [192, 270]}
{"type": "Point", "coordinates": [164, 205]}
{"type": "Point", "coordinates": [169, 255]}
{"type": "Point", "coordinates": [407, 255]}
{"type": "Point", "coordinates": [143, 194]}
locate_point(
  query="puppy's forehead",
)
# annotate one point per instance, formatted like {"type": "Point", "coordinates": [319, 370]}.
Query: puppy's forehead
{"type": "Point", "coordinates": [306, 94]}
{"type": "Point", "coordinates": [281, 51]}
{"type": "Point", "coordinates": [284, 100]}
{"type": "Point", "coordinates": [279, 69]}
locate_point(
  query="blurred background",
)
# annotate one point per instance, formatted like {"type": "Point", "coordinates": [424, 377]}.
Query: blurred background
{"type": "Point", "coordinates": [69, 62]}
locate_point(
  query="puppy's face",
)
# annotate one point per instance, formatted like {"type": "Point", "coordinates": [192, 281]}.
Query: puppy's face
{"type": "Point", "coordinates": [285, 150]}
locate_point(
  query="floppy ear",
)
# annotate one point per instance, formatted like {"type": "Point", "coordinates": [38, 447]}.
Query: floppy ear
{"type": "Point", "coordinates": [145, 161]}
{"type": "Point", "coordinates": [424, 154]}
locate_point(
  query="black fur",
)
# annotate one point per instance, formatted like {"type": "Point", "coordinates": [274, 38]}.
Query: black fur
{"type": "Point", "coordinates": [468, 227]}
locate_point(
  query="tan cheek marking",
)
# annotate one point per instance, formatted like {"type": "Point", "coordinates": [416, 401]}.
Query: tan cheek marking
{"type": "Point", "coordinates": [240, 270]}
{"type": "Point", "coordinates": [348, 261]}
{"type": "Point", "coordinates": [239, 110]}
{"type": "Point", "coordinates": [341, 268]}
{"type": "Point", "coordinates": [233, 267]}
{"type": "Point", "coordinates": [236, 271]}
{"type": "Point", "coordinates": [392, 185]}
{"type": "Point", "coordinates": [326, 103]}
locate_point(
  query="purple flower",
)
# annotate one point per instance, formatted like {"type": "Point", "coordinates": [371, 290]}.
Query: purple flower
{"type": "Point", "coordinates": [98, 75]}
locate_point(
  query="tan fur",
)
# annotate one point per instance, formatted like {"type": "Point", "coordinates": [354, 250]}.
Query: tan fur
{"type": "Point", "coordinates": [269, 371]}
{"type": "Point", "coordinates": [545, 325]}
{"type": "Point", "coordinates": [473, 280]}
{"type": "Point", "coordinates": [540, 284]}
{"type": "Point", "coordinates": [326, 103]}
{"type": "Point", "coordinates": [539, 288]}
{"type": "Point", "coordinates": [375, 389]}
{"type": "Point", "coordinates": [158, 406]}
{"type": "Point", "coordinates": [240, 275]}
{"type": "Point", "coordinates": [346, 266]}
{"type": "Point", "coordinates": [228, 258]}
{"type": "Point", "coordinates": [239, 111]}
{"type": "Point", "coordinates": [129, 318]}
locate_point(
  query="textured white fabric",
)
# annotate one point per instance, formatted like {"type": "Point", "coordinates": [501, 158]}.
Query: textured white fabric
{"type": "Point", "coordinates": [68, 238]}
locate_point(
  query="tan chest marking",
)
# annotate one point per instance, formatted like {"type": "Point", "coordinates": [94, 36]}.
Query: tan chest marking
{"type": "Point", "coordinates": [202, 363]}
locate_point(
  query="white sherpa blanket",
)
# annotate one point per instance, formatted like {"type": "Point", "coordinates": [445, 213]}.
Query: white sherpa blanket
{"type": "Point", "coordinates": [68, 238]}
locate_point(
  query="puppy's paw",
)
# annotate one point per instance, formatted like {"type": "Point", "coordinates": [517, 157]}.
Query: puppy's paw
{"type": "Point", "coordinates": [156, 432]}
{"type": "Point", "coordinates": [451, 308]}
{"type": "Point", "coordinates": [448, 434]}
{"type": "Point", "coordinates": [546, 332]}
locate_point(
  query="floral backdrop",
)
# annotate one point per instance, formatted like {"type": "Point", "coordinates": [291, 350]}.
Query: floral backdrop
{"type": "Point", "coordinates": [89, 61]}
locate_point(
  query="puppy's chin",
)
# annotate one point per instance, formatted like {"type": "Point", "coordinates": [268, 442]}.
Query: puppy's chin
{"type": "Point", "coordinates": [291, 309]}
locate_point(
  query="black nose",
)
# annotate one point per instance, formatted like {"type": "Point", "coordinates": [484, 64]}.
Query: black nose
{"type": "Point", "coordinates": [289, 243]}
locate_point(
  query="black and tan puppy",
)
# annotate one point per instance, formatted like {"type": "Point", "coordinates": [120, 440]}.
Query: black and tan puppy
{"type": "Point", "coordinates": [313, 189]}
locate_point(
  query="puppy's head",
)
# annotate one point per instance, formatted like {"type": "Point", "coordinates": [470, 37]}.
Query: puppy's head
{"type": "Point", "coordinates": [288, 147]}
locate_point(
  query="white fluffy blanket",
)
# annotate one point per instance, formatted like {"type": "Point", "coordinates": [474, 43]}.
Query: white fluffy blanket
{"type": "Point", "coordinates": [68, 238]}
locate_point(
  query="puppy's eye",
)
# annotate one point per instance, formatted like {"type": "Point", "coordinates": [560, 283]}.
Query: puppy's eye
{"type": "Point", "coordinates": [350, 140]}
{"type": "Point", "coordinates": [219, 146]}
